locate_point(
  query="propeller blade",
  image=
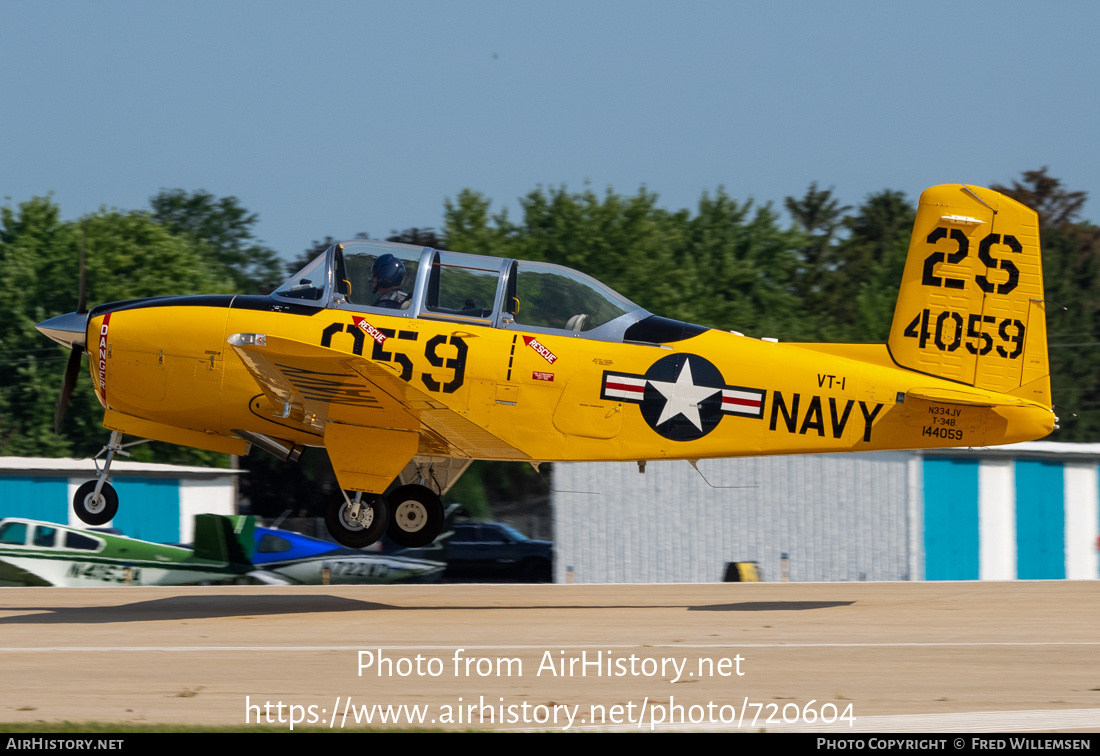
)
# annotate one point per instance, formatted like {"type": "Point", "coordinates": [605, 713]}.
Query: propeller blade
{"type": "Point", "coordinates": [72, 370]}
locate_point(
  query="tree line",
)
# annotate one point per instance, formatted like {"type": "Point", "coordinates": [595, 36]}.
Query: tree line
{"type": "Point", "coordinates": [826, 272]}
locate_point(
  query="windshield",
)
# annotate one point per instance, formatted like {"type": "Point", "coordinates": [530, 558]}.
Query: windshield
{"type": "Point", "coordinates": [309, 283]}
{"type": "Point", "coordinates": [13, 533]}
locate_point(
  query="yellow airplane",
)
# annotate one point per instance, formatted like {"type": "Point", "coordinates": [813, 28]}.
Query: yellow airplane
{"type": "Point", "coordinates": [406, 363]}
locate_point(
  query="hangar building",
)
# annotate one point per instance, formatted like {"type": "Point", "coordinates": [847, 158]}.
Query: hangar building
{"type": "Point", "coordinates": [1015, 512]}
{"type": "Point", "coordinates": [156, 502]}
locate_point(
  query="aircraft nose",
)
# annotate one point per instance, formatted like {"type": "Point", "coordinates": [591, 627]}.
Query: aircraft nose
{"type": "Point", "coordinates": [69, 330]}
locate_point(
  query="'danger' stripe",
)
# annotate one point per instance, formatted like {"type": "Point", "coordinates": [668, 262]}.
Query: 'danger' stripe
{"type": "Point", "coordinates": [102, 366]}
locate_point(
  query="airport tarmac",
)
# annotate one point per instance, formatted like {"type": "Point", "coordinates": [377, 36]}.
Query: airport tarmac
{"type": "Point", "coordinates": [879, 657]}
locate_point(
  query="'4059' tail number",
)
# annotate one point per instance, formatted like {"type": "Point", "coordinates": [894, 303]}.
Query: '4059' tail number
{"type": "Point", "coordinates": [947, 333]}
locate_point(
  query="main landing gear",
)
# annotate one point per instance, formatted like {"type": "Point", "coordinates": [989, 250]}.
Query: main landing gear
{"type": "Point", "coordinates": [96, 502]}
{"type": "Point", "coordinates": [416, 516]}
{"type": "Point", "coordinates": [356, 523]}
{"type": "Point", "coordinates": [412, 516]}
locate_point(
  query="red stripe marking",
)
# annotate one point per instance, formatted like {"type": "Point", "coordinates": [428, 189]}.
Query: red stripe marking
{"type": "Point", "coordinates": [624, 386]}
{"type": "Point", "coordinates": [741, 402]}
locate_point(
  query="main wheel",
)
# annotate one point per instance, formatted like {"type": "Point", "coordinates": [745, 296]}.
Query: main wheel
{"type": "Point", "coordinates": [416, 516]}
{"type": "Point", "coordinates": [92, 509]}
{"type": "Point", "coordinates": [356, 534]}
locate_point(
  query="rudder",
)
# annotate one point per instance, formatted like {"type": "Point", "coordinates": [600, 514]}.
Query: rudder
{"type": "Point", "coordinates": [971, 305]}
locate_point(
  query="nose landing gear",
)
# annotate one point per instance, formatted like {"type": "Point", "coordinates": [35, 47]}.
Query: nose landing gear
{"type": "Point", "coordinates": [96, 502]}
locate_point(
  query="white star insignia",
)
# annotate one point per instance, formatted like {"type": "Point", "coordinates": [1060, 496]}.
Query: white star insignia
{"type": "Point", "coordinates": [683, 397]}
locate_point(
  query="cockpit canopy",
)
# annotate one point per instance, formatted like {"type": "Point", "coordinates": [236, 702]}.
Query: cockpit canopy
{"type": "Point", "coordinates": [418, 282]}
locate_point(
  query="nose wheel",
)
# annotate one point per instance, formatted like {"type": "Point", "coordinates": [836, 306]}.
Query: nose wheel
{"type": "Point", "coordinates": [416, 516]}
{"type": "Point", "coordinates": [95, 507]}
{"type": "Point", "coordinates": [96, 502]}
{"type": "Point", "coordinates": [356, 523]}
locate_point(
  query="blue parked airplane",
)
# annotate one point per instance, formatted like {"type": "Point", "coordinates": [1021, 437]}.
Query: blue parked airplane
{"type": "Point", "coordinates": [301, 559]}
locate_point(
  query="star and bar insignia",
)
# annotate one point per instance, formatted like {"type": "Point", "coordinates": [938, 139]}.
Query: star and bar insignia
{"type": "Point", "coordinates": [683, 396]}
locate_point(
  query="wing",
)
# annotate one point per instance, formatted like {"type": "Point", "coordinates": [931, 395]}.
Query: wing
{"type": "Point", "coordinates": [373, 422]}
{"type": "Point", "coordinates": [18, 569]}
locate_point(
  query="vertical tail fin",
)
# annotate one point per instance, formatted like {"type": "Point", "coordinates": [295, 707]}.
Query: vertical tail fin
{"type": "Point", "coordinates": [224, 539]}
{"type": "Point", "coordinates": [971, 306]}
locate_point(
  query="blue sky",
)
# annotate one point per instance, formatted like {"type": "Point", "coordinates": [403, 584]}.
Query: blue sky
{"type": "Point", "coordinates": [331, 118]}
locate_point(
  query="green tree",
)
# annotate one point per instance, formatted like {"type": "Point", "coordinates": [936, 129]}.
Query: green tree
{"type": "Point", "coordinates": [33, 240]}
{"type": "Point", "coordinates": [729, 265]}
{"type": "Point", "coordinates": [224, 230]}
{"type": "Point", "coordinates": [419, 237]}
{"type": "Point", "coordinates": [1057, 207]}
{"type": "Point", "coordinates": [129, 255]}
{"type": "Point", "coordinates": [821, 217]}
{"type": "Point", "coordinates": [867, 277]}
{"type": "Point", "coordinates": [741, 269]}
{"type": "Point", "coordinates": [468, 227]}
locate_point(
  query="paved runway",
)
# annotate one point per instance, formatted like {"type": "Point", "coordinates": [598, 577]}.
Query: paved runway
{"type": "Point", "coordinates": [865, 656]}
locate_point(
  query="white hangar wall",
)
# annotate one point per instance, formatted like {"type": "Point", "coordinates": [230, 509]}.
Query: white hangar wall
{"type": "Point", "coordinates": [838, 517]}
{"type": "Point", "coordinates": [1016, 512]}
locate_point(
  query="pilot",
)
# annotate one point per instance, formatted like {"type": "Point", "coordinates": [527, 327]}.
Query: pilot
{"type": "Point", "coordinates": [385, 281]}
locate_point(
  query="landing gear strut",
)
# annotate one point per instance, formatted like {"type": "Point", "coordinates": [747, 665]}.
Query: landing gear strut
{"type": "Point", "coordinates": [356, 523]}
{"type": "Point", "coordinates": [96, 502]}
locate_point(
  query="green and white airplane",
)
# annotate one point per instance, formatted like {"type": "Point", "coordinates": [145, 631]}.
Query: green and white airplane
{"type": "Point", "coordinates": [45, 553]}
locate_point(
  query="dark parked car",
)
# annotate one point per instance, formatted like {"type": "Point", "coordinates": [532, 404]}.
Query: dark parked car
{"type": "Point", "coordinates": [495, 551]}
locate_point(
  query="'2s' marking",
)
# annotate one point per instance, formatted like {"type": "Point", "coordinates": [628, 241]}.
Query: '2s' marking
{"type": "Point", "coordinates": [985, 254]}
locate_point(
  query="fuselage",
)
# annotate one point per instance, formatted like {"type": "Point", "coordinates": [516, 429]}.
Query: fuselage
{"type": "Point", "coordinates": [696, 393]}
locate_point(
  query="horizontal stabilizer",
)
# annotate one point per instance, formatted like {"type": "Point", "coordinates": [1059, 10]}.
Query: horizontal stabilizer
{"type": "Point", "coordinates": [966, 398]}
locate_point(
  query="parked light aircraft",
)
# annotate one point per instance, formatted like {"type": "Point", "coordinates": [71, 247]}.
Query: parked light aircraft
{"type": "Point", "coordinates": [301, 559]}
{"type": "Point", "coordinates": [407, 363]}
{"type": "Point", "coordinates": [45, 553]}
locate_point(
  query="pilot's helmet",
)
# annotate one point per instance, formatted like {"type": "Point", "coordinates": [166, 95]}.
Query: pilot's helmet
{"type": "Point", "coordinates": [388, 271]}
